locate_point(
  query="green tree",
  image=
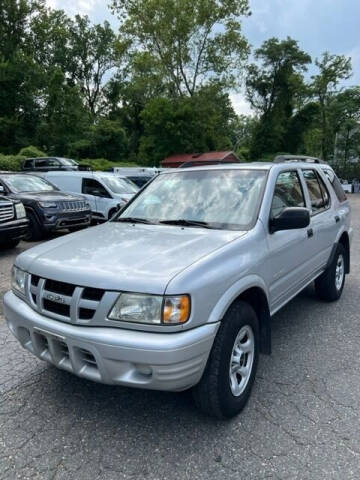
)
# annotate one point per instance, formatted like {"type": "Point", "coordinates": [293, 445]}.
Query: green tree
{"type": "Point", "coordinates": [128, 92]}
{"type": "Point", "coordinates": [184, 125]}
{"type": "Point", "coordinates": [345, 119]}
{"type": "Point", "coordinates": [332, 69]}
{"type": "Point", "coordinates": [272, 88]}
{"type": "Point", "coordinates": [95, 50]}
{"type": "Point", "coordinates": [193, 41]}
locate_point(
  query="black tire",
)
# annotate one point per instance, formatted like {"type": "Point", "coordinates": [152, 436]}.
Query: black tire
{"type": "Point", "coordinates": [35, 231]}
{"type": "Point", "coordinates": [213, 394]}
{"type": "Point", "coordinates": [9, 244]}
{"type": "Point", "coordinates": [325, 285]}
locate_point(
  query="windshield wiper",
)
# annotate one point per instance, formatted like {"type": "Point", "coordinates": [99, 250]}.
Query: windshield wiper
{"type": "Point", "coordinates": [186, 223]}
{"type": "Point", "coordinates": [134, 220]}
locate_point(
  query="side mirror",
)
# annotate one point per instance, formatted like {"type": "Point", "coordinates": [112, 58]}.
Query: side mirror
{"type": "Point", "coordinates": [2, 190]}
{"type": "Point", "coordinates": [290, 219]}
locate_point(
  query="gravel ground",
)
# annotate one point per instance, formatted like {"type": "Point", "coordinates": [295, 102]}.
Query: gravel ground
{"type": "Point", "coordinates": [302, 421]}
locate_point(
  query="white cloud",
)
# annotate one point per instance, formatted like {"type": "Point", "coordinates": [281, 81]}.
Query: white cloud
{"type": "Point", "coordinates": [240, 104]}
{"type": "Point", "coordinates": [73, 7]}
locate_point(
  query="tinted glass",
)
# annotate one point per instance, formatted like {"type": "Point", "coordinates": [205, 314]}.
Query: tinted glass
{"type": "Point", "coordinates": [140, 181]}
{"type": "Point", "coordinates": [288, 193]}
{"type": "Point", "coordinates": [93, 187]}
{"type": "Point", "coordinates": [28, 164]}
{"type": "Point", "coordinates": [27, 183]}
{"type": "Point", "coordinates": [335, 182]}
{"type": "Point", "coordinates": [324, 191]}
{"type": "Point", "coordinates": [318, 202]}
{"type": "Point", "coordinates": [48, 162]}
{"type": "Point", "coordinates": [227, 199]}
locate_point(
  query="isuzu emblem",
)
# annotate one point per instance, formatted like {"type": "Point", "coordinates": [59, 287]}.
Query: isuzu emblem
{"type": "Point", "coordinates": [55, 298]}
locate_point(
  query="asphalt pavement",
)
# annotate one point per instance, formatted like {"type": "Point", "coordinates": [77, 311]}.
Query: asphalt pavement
{"type": "Point", "coordinates": [302, 421]}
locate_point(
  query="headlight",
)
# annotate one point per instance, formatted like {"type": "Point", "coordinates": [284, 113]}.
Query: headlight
{"type": "Point", "coordinates": [151, 309]}
{"type": "Point", "coordinates": [48, 204]}
{"type": "Point", "coordinates": [18, 278]}
{"type": "Point", "coordinates": [20, 210]}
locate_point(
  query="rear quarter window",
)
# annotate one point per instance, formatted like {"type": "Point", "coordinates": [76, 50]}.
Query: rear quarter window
{"type": "Point", "coordinates": [335, 182]}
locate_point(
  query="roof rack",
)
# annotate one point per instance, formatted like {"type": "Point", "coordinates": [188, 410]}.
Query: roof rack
{"type": "Point", "coordinates": [297, 158]}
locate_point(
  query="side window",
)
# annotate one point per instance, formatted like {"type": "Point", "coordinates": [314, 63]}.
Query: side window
{"type": "Point", "coordinates": [47, 162]}
{"type": "Point", "coordinates": [319, 195]}
{"type": "Point", "coordinates": [335, 182]}
{"type": "Point", "coordinates": [93, 187]}
{"type": "Point", "coordinates": [28, 164]}
{"type": "Point", "coordinates": [288, 193]}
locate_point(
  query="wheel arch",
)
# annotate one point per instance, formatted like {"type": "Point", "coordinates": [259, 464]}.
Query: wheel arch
{"type": "Point", "coordinates": [254, 292]}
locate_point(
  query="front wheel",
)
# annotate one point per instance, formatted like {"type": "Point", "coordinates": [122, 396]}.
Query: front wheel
{"type": "Point", "coordinates": [226, 384]}
{"type": "Point", "coordinates": [35, 231]}
{"type": "Point", "coordinates": [330, 284]}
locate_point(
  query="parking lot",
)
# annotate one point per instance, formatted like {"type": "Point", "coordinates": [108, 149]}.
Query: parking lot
{"type": "Point", "coordinates": [302, 421]}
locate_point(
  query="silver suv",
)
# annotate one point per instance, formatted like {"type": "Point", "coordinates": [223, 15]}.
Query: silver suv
{"type": "Point", "coordinates": [178, 289]}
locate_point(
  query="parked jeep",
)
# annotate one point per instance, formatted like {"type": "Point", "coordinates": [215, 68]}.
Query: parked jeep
{"type": "Point", "coordinates": [47, 208]}
{"type": "Point", "coordinates": [178, 289]}
{"type": "Point", "coordinates": [13, 223]}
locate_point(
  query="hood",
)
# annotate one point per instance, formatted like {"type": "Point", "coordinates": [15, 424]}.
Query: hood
{"type": "Point", "coordinates": [47, 196]}
{"type": "Point", "coordinates": [122, 256]}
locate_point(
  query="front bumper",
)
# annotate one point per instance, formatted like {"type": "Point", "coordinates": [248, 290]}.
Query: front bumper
{"type": "Point", "coordinates": [14, 230]}
{"type": "Point", "coordinates": [159, 361]}
{"type": "Point", "coordinates": [66, 220]}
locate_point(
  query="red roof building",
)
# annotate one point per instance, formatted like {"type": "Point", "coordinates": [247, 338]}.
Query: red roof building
{"type": "Point", "coordinates": [197, 159]}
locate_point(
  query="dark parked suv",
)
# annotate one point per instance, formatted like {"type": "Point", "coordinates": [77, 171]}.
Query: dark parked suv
{"type": "Point", "coordinates": [47, 208]}
{"type": "Point", "coordinates": [47, 164]}
{"type": "Point", "coordinates": [13, 222]}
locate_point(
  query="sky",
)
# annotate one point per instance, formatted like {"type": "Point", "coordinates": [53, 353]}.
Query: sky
{"type": "Point", "coordinates": [318, 25]}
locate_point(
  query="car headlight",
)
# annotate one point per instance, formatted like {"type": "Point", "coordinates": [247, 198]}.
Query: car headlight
{"type": "Point", "coordinates": [48, 204]}
{"type": "Point", "coordinates": [20, 210]}
{"type": "Point", "coordinates": [18, 278]}
{"type": "Point", "coordinates": [151, 309]}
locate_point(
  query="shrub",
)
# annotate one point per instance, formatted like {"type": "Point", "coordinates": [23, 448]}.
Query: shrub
{"type": "Point", "coordinates": [12, 163]}
{"type": "Point", "coordinates": [31, 152]}
{"type": "Point", "coordinates": [105, 165]}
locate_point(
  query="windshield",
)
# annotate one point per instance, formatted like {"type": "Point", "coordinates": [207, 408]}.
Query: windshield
{"type": "Point", "coordinates": [68, 161]}
{"type": "Point", "coordinates": [28, 183]}
{"type": "Point", "coordinates": [119, 185]}
{"type": "Point", "coordinates": [224, 199]}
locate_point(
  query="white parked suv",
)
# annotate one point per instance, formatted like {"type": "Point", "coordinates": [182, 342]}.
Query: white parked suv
{"type": "Point", "coordinates": [178, 289]}
{"type": "Point", "coordinates": [105, 192]}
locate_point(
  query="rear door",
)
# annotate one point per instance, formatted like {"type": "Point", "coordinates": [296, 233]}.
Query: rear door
{"type": "Point", "coordinates": [323, 225]}
{"type": "Point", "coordinates": [289, 264]}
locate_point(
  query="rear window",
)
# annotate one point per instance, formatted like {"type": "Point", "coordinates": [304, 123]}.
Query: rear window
{"type": "Point", "coordinates": [335, 182]}
{"type": "Point", "coordinates": [28, 164]}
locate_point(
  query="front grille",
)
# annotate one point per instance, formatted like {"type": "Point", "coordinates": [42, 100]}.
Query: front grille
{"type": "Point", "coordinates": [66, 301]}
{"type": "Point", "coordinates": [58, 308]}
{"type": "Point", "coordinates": [6, 212]}
{"type": "Point", "coordinates": [73, 206]}
{"type": "Point", "coordinates": [59, 287]}
{"type": "Point", "coordinates": [93, 294]}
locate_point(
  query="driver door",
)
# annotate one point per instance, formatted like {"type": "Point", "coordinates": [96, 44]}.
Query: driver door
{"type": "Point", "coordinates": [288, 263]}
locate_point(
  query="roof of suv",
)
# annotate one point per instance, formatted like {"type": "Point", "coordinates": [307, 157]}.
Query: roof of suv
{"type": "Point", "coordinates": [249, 166]}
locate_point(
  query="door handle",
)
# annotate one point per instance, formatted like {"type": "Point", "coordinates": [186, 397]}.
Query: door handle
{"type": "Point", "coordinates": [310, 233]}
{"type": "Point", "coordinates": [337, 219]}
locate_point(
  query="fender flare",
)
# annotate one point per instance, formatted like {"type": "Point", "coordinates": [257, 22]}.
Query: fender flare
{"type": "Point", "coordinates": [235, 291]}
